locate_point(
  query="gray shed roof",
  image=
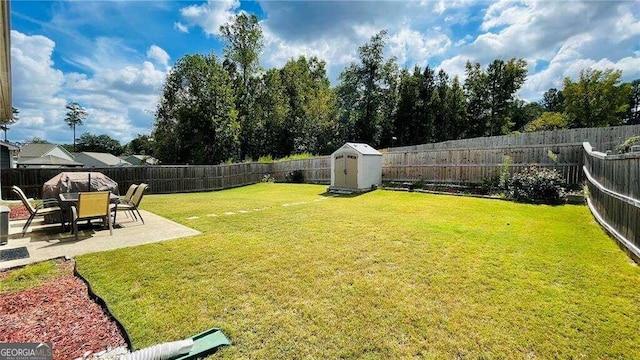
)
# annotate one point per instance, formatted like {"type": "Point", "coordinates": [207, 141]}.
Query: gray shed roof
{"type": "Point", "coordinates": [363, 149]}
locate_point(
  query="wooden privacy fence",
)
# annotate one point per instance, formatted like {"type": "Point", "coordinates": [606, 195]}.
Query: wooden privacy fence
{"type": "Point", "coordinates": [600, 138]}
{"type": "Point", "coordinates": [468, 161]}
{"type": "Point", "coordinates": [316, 170]}
{"type": "Point", "coordinates": [614, 195]}
{"type": "Point", "coordinates": [475, 165]}
{"type": "Point", "coordinates": [161, 179]}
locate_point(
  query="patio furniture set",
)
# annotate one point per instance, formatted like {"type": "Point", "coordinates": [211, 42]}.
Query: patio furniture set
{"type": "Point", "coordinates": [73, 206]}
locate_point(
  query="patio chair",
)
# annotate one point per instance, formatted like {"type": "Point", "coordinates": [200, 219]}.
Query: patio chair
{"type": "Point", "coordinates": [132, 205]}
{"type": "Point", "coordinates": [91, 205]}
{"type": "Point", "coordinates": [43, 209]}
{"type": "Point", "coordinates": [127, 197]}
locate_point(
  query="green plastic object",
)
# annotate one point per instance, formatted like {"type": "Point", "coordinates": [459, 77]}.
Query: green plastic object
{"type": "Point", "coordinates": [205, 343]}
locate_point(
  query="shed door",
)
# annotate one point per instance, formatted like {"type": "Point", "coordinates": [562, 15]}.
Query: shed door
{"type": "Point", "coordinates": [340, 171]}
{"type": "Point", "coordinates": [346, 171]}
{"type": "Point", "coordinates": [352, 171]}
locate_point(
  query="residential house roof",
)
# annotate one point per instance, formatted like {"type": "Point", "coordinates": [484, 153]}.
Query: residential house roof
{"type": "Point", "coordinates": [40, 150]}
{"type": "Point", "coordinates": [100, 159]}
{"type": "Point", "coordinates": [141, 159]}
{"type": "Point", "coordinates": [8, 145]}
{"type": "Point", "coordinates": [50, 160]}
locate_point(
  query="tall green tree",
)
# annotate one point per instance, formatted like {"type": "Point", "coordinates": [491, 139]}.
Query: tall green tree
{"type": "Point", "coordinates": [76, 115]}
{"type": "Point", "coordinates": [423, 127]}
{"type": "Point", "coordinates": [389, 106]}
{"type": "Point", "coordinates": [490, 94]}
{"type": "Point", "coordinates": [196, 119]}
{"type": "Point", "coordinates": [476, 92]}
{"type": "Point", "coordinates": [244, 43]}
{"type": "Point", "coordinates": [553, 100]}
{"type": "Point", "coordinates": [408, 93]}
{"type": "Point", "coordinates": [457, 110]}
{"type": "Point", "coordinates": [633, 112]}
{"type": "Point", "coordinates": [270, 110]}
{"type": "Point", "coordinates": [310, 123]}
{"type": "Point", "coordinates": [596, 99]}
{"type": "Point", "coordinates": [141, 145]}
{"type": "Point", "coordinates": [442, 129]}
{"type": "Point", "coordinates": [521, 113]}
{"type": "Point", "coordinates": [99, 143]}
{"type": "Point", "coordinates": [361, 92]}
{"type": "Point", "coordinates": [5, 123]}
{"type": "Point", "coordinates": [504, 80]}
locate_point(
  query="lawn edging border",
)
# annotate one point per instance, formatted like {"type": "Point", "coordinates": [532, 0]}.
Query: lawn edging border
{"type": "Point", "coordinates": [93, 296]}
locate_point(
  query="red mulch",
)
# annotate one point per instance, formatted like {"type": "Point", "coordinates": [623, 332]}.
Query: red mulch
{"type": "Point", "coordinates": [18, 212]}
{"type": "Point", "coordinates": [61, 312]}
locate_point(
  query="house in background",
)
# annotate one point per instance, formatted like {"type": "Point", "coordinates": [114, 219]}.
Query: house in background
{"type": "Point", "coordinates": [8, 155]}
{"type": "Point", "coordinates": [141, 160]}
{"type": "Point", "coordinates": [32, 151]}
{"type": "Point", "coordinates": [95, 159]}
{"type": "Point", "coordinates": [48, 161]}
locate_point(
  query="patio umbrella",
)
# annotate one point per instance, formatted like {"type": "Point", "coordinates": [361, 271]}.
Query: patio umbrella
{"type": "Point", "coordinates": [77, 182]}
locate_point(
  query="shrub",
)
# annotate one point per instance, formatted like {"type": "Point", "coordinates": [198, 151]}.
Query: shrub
{"type": "Point", "coordinates": [626, 145]}
{"type": "Point", "coordinates": [417, 185]}
{"type": "Point", "coordinates": [489, 184]}
{"type": "Point", "coordinates": [296, 177]}
{"type": "Point", "coordinates": [537, 185]}
{"type": "Point", "coordinates": [548, 121]}
{"type": "Point", "coordinates": [265, 159]}
{"type": "Point", "coordinates": [268, 178]}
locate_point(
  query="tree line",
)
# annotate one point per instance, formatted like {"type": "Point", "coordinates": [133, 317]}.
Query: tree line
{"type": "Point", "coordinates": [215, 109]}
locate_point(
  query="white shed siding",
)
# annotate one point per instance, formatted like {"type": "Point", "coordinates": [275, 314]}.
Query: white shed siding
{"type": "Point", "coordinates": [369, 171]}
{"type": "Point", "coordinates": [369, 164]}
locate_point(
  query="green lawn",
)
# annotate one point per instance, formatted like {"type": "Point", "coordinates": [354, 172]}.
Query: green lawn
{"type": "Point", "coordinates": [383, 275]}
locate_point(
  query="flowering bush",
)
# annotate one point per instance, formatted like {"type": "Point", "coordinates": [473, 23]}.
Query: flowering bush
{"type": "Point", "coordinates": [537, 185]}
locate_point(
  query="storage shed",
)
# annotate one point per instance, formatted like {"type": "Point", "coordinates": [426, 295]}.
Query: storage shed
{"type": "Point", "coordinates": [355, 167]}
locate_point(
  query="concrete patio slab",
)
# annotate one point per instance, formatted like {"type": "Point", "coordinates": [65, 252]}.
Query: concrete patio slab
{"type": "Point", "coordinates": [47, 241]}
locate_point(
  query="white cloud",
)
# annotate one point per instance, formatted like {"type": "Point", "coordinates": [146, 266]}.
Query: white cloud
{"type": "Point", "coordinates": [119, 97]}
{"type": "Point", "coordinates": [211, 15]}
{"type": "Point", "coordinates": [337, 52]}
{"type": "Point", "coordinates": [158, 54]}
{"type": "Point", "coordinates": [569, 36]}
{"type": "Point", "coordinates": [411, 47]}
{"type": "Point", "coordinates": [455, 66]}
{"type": "Point", "coordinates": [181, 27]}
{"type": "Point", "coordinates": [36, 84]}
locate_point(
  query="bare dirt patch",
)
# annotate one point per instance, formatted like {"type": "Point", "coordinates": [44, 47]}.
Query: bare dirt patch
{"type": "Point", "coordinates": [61, 312]}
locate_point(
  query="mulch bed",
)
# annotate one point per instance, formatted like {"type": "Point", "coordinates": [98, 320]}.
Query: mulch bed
{"type": "Point", "coordinates": [18, 212]}
{"type": "Point", "coordinates": [61, 312]}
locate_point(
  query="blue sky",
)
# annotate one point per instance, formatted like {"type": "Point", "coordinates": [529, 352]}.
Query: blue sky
{"type": "Point", "coordinates": [112, 56]}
